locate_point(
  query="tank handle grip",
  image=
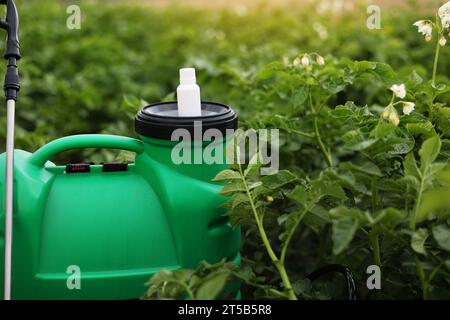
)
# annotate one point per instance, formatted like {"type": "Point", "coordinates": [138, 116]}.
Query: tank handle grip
{"type": "Point", "coordinates": [45, 153]}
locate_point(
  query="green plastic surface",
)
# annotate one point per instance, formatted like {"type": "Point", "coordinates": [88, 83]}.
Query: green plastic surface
{"type": "Point", "coordinates": [119, 228]}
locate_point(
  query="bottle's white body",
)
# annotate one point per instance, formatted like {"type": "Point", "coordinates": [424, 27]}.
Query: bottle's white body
{"type": "Point", "coordinates": [189, 103]}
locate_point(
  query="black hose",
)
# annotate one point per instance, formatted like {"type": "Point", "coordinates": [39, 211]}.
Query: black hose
{"type": "Point", "coordinates": [352, 290]}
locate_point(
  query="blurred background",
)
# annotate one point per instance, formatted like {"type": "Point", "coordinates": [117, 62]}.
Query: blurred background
{"type": "Point", "coordinates": [127, 53]}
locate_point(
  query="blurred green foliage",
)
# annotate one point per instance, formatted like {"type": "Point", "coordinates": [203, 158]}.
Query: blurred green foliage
{"type": "Point", "coordinates": [75, 81]}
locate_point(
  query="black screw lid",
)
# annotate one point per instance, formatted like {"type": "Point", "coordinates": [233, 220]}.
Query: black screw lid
{"type": "Point", "coordinates": [159, 120]}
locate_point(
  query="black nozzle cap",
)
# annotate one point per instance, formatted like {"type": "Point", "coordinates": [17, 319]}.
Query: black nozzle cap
{"type": "Point", "coordinates": [12, 49]}
{"type": "Point", "coordinates": [11, 25]}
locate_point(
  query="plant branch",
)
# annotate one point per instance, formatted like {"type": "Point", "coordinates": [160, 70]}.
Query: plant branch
{"type": "Point", "coordinates": [304, 134]}
{"type": "Point", "coordinates": [436, 60]}
{"type": "Point", "coordinates": [423, 281]}
{"type": "Point", "coordinates": [321, 145]}
{"type": "Point", "coordinates": [291, 233]}
{"type": "Point", "coordinates": [280, 267]}
{"type": "Point", "coordinates": [437, 50]}
{"type": "Point", "coordinates": [418, 204]}
{"type": "Point", "coordinates": [375, 241]}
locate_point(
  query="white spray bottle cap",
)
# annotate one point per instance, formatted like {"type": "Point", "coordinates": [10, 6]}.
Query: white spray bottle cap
{"type": "Point", "coordinates": [187, 76]}
{"type": "Point", "coordinates": [188, 94]}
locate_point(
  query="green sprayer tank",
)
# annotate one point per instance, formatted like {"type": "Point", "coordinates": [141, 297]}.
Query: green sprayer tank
{"type": "Point", "coordinates": [118, 224]}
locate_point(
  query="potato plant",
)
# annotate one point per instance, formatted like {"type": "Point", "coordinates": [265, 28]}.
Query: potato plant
{"type": "Point", "coordinates": [364, 182]}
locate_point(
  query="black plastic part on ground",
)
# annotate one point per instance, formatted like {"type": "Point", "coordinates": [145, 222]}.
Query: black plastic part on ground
{"type": "Point", "coordinates": [352, 290]}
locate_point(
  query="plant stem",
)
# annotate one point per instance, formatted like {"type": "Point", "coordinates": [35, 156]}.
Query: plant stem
{"type": "Point", "coordinates": [418, 204]}
{"type": "Point", "coordinates": [375, 196]}
{"type": "Point", "coordinates": [373, 235]}
{"type": "Point", "coordinates": [291, 233]}
{"type": "Point", "coordinates": [392, 100]}
{"type": "Point", "coordinates": [434, 272]}
{"type": "Point", "coordinates": [315, 114]}
{"type": "Point", "coordinates": [375, 241]}
{"type": "Point", "coordinates": [280, 266]}
{"type": "Point", "coordinates": [304, 134]}
{"type": "Point", "coordinates": [436, 59]}
{"type": "Point", "coordinates": [321, 145]}
{"type": "Point", "coordinates": [275, 292]}
{"type": "Point", "coordinates": [423, 281]}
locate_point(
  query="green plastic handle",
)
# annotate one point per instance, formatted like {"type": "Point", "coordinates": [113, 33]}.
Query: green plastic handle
{"type": "Point", "coordinates": [45, 153]}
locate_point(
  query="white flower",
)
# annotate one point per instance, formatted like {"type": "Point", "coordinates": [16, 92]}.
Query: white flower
{"type": "Point", "coordinates": [408, 107]}
{"type": "Point", "coordinates": [442, 41]}
{"type": "Point", "coordinates": [444, 14]}
{"type": "Point", "coordinates": [320, 60]}
{"type": "Point", "coordinates": [399, 90]}
{"type": "Point", "coordinates": [426, 28]}
{"type": "Point", "coordinates": [393, 117]}
{"type": "Point", "coordinates": [305, 61]}
{"type": "Point", "coordinates": [297, 61]}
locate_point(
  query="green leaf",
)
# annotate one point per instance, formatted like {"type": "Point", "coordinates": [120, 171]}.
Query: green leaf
{"type": "Point", "coordinates": [414, 79]}
{"type": "Point", "coordinates": [382, 129]}
{"type": "Point", "coordinates": [361, 145]}
{"type": "Point", "coordinates": [253, 166]}
{"type": "Point", "coordinates": [428, 152]}
{"type": "Point", "coordinates": [302, 287]}
{"type": "Point", "coordinates": [410, 166]}
{"type": "Point", "coordinates": [434, 205]}
{"type": "Point", "coordinates": [281, 178]}
{"type": "Point", "coordinates": [211, 288]}
{"type": "Point", "coordinates": [366, 167]}
{"type": "Point", "coordinates": [241, 215]}
{"type": "Point", "coordinates": [324, 187]}
{"type": "Point", "coordinates": [299, 194]}
{"type": "Point", "coordinates": [233, 187]}
{"type": "Point", "coordinates": [401, 147]}
{"type": "Point", "coordinates": [356, 214]}
{"type": "Point", "coordinates": [390, 217]}
{"type": "Point", "coordinates": [239, 199]}
{"type": "Point", "coordinates": [421, 128]}
{"type": "Point", "coordinates": [418, 239]}
{"type": "Point", "coordinates": [226, 175]}
{"type": "Point", "coordinates": [270, 70]}
{"type": "Point", "coordinates": [441, 234]}
{"type": "Point", "coordinates": [447, 264]}
{"type": "Point", "coordinates": [344, 230]}
{"type": "Point", "coordinates": [317, 216]}
{"type": "Point", "coordinates": [436, 168]}
{"type": "Point", "coordinates": [300, 95]}
{"type": "Point", "coordinates": [385, 72]}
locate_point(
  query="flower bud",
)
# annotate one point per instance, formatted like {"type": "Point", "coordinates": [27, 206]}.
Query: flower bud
{"type": "Point", "coordinates": [320, 60]}
{"type": "Point", "coordinates": [394, 119]}
{"type": "Point", "coordinates": [305, 61]}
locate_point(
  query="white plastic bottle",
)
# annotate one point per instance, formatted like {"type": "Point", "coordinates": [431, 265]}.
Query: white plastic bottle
{"type": "Point", "coordinates": [188, 94]}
